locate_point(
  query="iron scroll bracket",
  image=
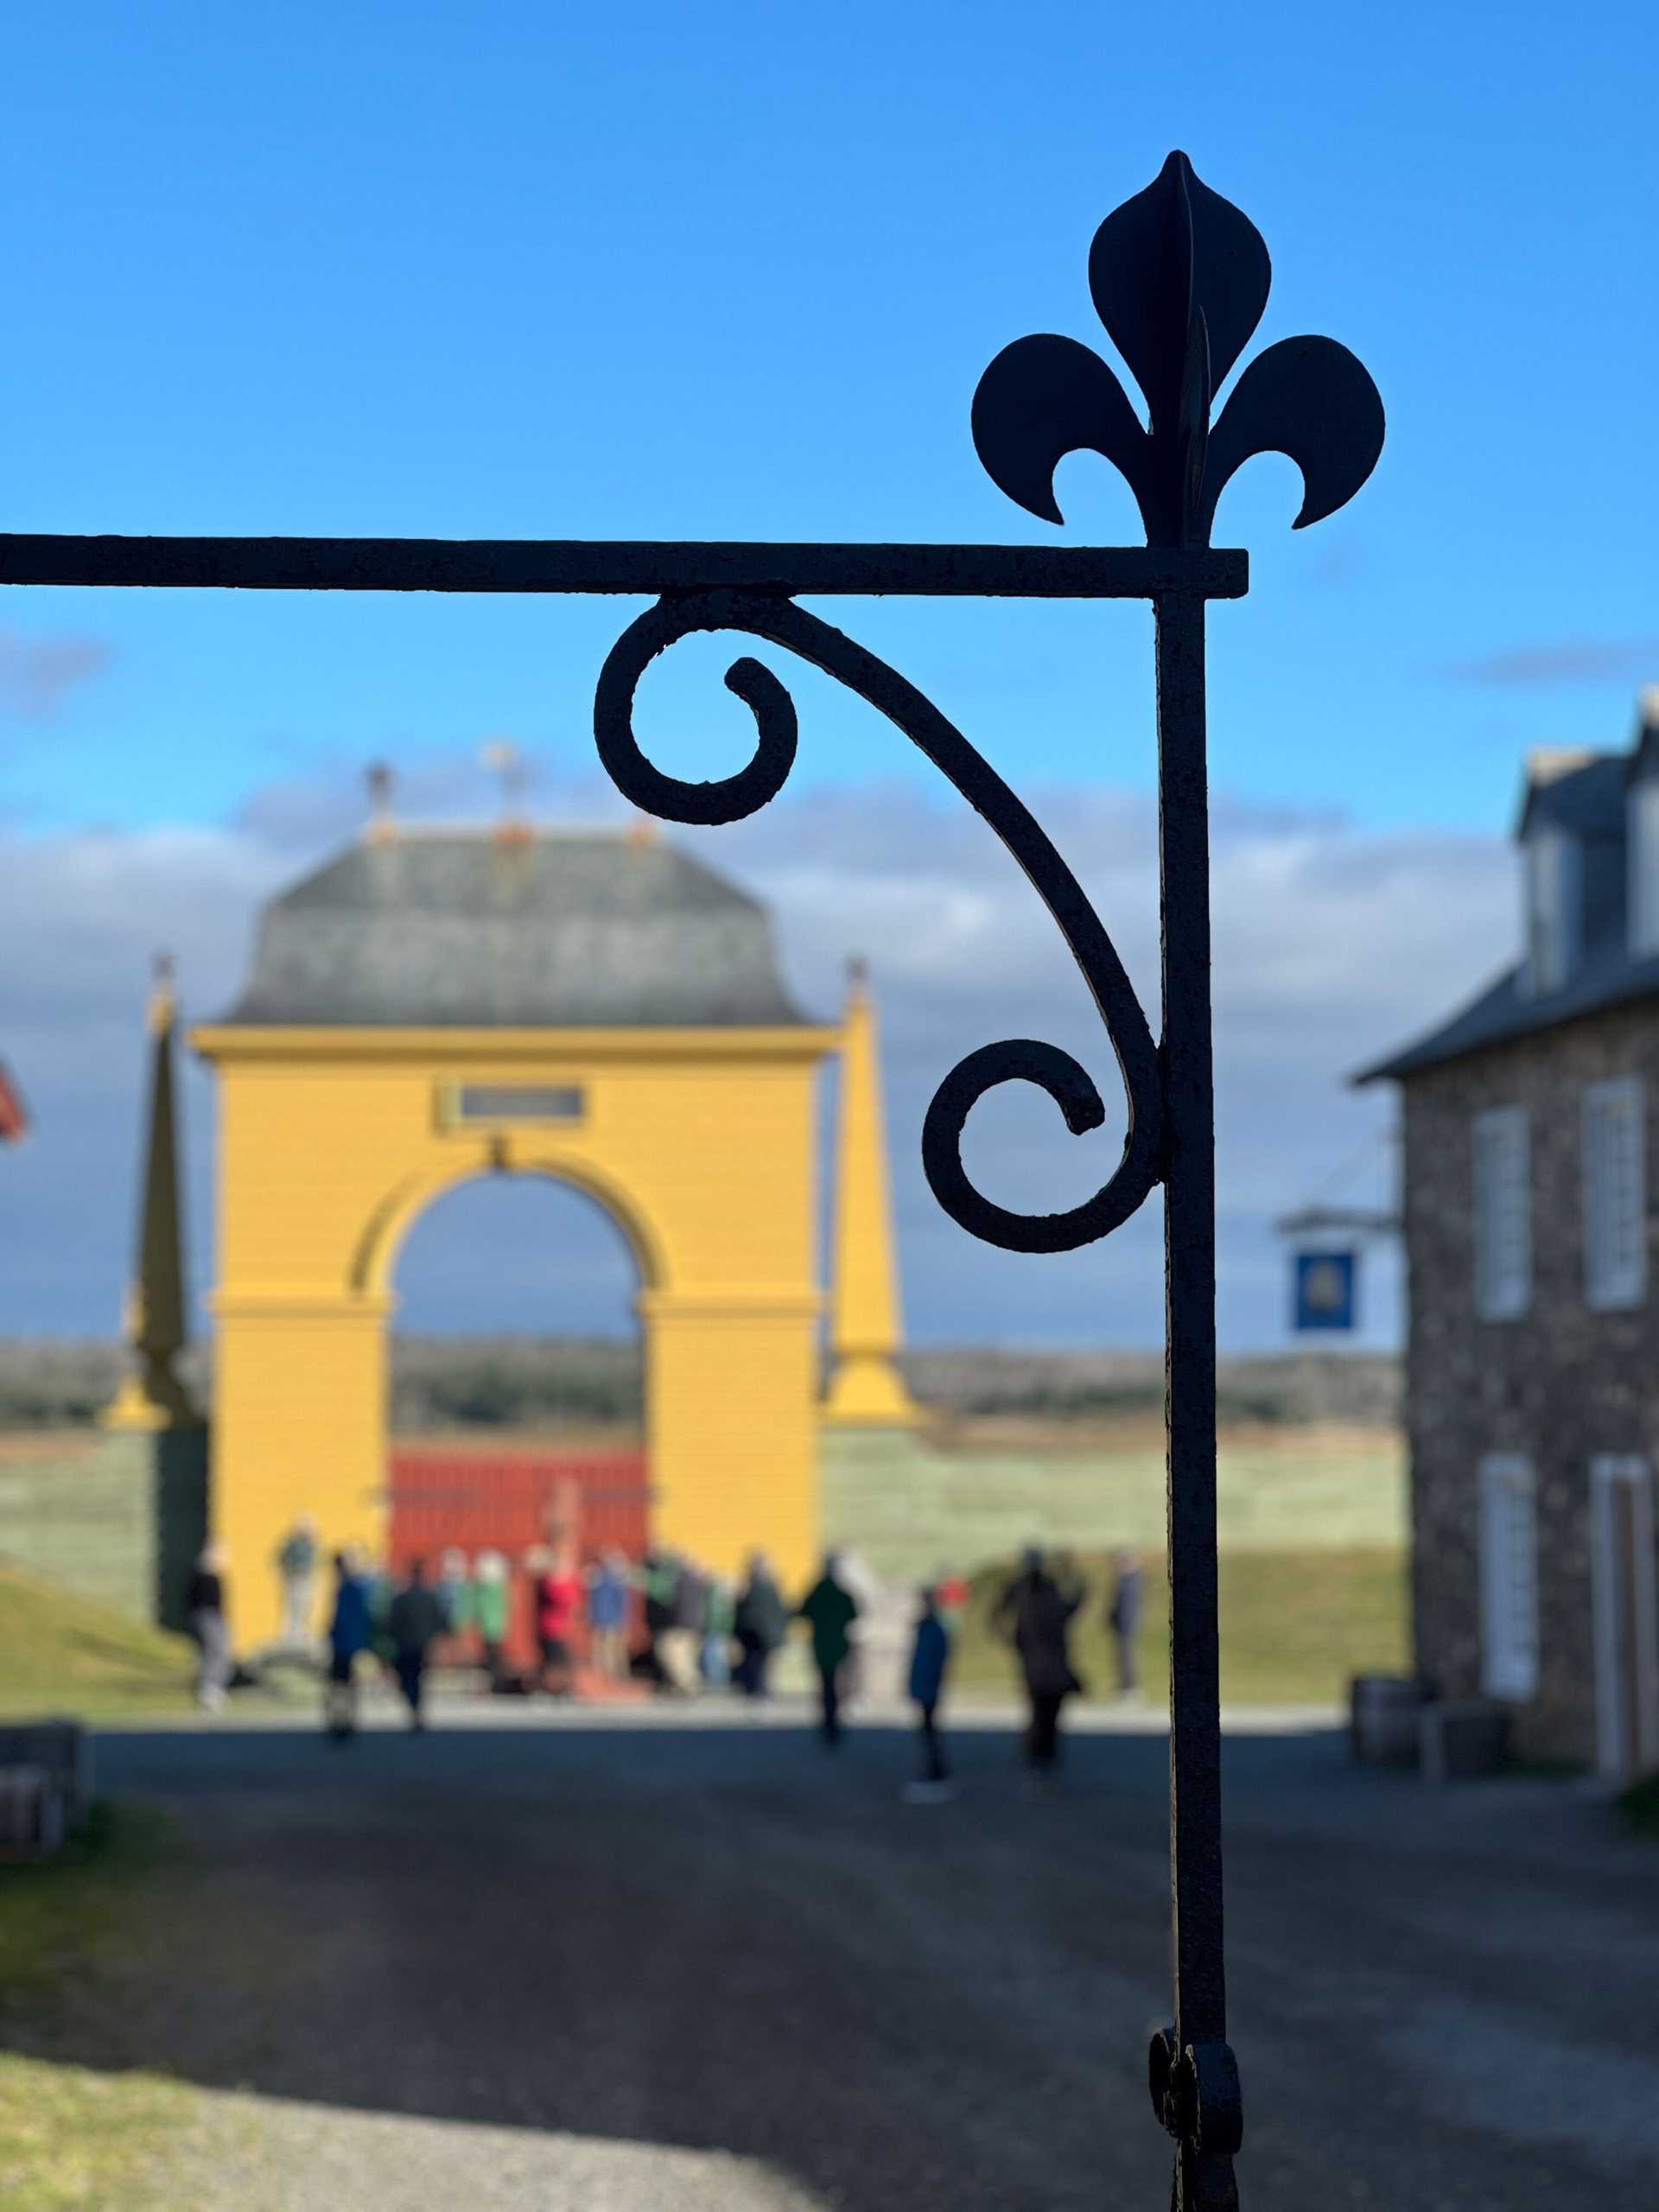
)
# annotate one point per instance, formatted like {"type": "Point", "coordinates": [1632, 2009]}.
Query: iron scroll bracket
{"type": "Point", "coordinates": [1180, 278]}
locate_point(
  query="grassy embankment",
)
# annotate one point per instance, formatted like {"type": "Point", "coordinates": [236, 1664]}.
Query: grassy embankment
{"type": "Point", "coordinates": [1310, 1521]}
{"type": "Point", "coordinates": [67, 1654]}
{"type": "Point", "coordinates": [1295, 1627]}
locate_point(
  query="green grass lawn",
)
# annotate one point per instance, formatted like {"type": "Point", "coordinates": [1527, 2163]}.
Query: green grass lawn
{"type": "Point", "coordinates": [1295, 1625]}
{"type": "Point", "coordinates": [70, 2136]}
{"type": "Point", "coordinates": [60, 1653]}
{"type": "Point", "coordinates": [73, 2140]}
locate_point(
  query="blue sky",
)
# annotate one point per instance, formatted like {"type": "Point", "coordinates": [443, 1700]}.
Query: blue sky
{"type": "Point", "coordinates": [735, 270]}
{"type": "Point", "coordinates": [522, 270]}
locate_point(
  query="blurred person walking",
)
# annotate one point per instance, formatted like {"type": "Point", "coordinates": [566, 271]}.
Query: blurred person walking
{"type": "Point", "coordinates": [760, 1622]}
{"type": "Point", "coordinates": [204, 1605]}
{"type": "Point", "coordinates": [608, 1615]}
{"type": "Point", "coordinates": [1123, 1618]}
{"type": "Point", "coordinates": [866, 1594]}
{"type": "Point", "coordinates": [929, 1658]}
{"type": "Point", "coordinates": [951, 1594]}
{"type": "Point", "coordinates": [489, 1600]}
{"type": "Point", "coordinates": [351, 1633]}
{"type": "Point", "coordinates": [454, 1590]}
{"type": "Point", "coordinates": [718, 1612]}
{"type": "Point", "coordinates": [681, 1642]}
{"type": "Point", "coordinates": [829, 1609]}
{"type": "Point", "coordinates": [659, 1578]}
{"type": "Point", "coordinates": [382, 1591]}
{"type": "Point", "coordinates": [415, 1622]}
{"type": "Point", "coordinates": [1035, 1613]}
{"type": "Point", "coordinates": [558, 1594]}
{"type": "Point", "coordinates": [295, 1562]}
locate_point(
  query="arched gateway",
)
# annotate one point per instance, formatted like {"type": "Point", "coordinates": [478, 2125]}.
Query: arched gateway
{"type": "Point", "coordinates": [601, 1008]}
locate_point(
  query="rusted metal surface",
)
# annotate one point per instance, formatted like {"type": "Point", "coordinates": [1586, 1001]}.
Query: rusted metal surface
{"type": "Point", "coordinates": [1180, 278]}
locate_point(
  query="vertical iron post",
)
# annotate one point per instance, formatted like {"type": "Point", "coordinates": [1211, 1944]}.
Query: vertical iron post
{"type": "Point", "coordinates": [1200, 2072]}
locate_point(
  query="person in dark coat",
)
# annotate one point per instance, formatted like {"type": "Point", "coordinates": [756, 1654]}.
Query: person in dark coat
{"type": "Point", "coordinates": [417, 1622]}
{"type": "Point", "coordinates": [930, 1658]}
{"type": "Point", "coordinates": [758, 1622]}
{"type": "Point", "coordinates": [1123, 1618]}
{"type": "Point", "coordinates": [206, 1609]}
{"type": "Point", "coordinates": [659, 1578]}
{"type": "Point", "coordinates": [831, 1609]}
{"type": "Point", "coordinates": [680, 1644]}
{"type": "Point", "coordinates": [350, 1630]}
{"type": "Point", "coordinates": [1034, 1613]}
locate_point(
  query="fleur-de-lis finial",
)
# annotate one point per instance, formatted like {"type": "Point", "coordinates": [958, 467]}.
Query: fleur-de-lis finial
{"type": "Point", "coordinates": [1180, 278]}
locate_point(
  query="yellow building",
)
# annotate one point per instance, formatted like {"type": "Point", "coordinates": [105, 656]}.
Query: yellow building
{"type": "Point", "coordinates": [426, 1008]}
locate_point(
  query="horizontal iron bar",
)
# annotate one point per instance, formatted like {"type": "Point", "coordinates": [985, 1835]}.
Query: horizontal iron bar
{"type": "Point", "coordinates": [598, 565]}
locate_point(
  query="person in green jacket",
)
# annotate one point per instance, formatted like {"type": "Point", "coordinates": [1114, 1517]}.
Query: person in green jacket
{"type": "Point", "coordinates": [488, 1598]}
{"type": "Point", "coordinates": [831, 1609]}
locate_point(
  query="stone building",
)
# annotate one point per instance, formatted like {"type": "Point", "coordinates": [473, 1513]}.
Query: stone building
{"type": "Point", "coordinates": [1532, 1354]}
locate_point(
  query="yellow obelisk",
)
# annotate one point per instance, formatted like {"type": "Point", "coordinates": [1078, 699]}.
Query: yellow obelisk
{"type": "Point", "coordinates": [865, 1389]}
{"type": "Point", "coordinates": [151, 1396]}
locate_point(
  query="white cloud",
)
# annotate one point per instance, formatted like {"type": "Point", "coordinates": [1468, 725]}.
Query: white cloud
{"type": "Point", "coordinates": [1331, 945]}
{"type": "Point", "coordinates": [37, 674]}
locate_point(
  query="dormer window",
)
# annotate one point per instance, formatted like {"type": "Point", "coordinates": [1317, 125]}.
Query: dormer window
{"type": "Point", "coordinates": [1555, 891]}
{"type": "Point", "coordinates": [1642, 835]}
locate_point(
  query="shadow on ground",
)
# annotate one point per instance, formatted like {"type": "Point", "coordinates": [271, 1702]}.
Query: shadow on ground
{"type": "Point", "coordinates": [727, 1939]}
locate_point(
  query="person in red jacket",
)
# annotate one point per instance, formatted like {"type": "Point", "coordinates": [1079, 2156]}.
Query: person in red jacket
{"type": "Point", "coordinates": [557, 1593]}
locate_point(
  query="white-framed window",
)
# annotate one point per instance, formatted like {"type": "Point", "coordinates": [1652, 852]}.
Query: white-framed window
{"type": "Point", "coordinates": [1642, 851]}
{"type": "Point", "coordinates": [1554, 897]}
{"type": "Point", "coordinates": [1508, 1576]}
{"type": "Point", "coordinates": [1503, 1213]}
{"type": "Point", "coordinates": [1615, 1194]}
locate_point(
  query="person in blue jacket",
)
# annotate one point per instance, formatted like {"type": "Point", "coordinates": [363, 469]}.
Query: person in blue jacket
{"type": "Point", "coordinates": [929, 1658]}
{"type": "Point", "coordinates": [350, 1630]}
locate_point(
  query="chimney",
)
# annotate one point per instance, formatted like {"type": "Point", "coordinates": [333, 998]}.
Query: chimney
{"type": "Point", "coordinates": [506, 763]}
{"type": "Point", "coordinates": [378, 777]}
{"type": "Point", "coordinates": [1547, 763]}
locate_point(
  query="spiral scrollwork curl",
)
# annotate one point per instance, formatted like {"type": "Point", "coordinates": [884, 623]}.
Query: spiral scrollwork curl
{"type": "Point", "coordinates": [778, 620]}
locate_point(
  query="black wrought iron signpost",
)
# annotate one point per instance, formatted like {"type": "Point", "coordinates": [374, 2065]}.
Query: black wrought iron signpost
{"type": "Point", "coordinates": [1179, 277]}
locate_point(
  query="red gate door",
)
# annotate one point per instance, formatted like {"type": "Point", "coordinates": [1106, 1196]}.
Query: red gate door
{"type": "Point", "coordinates": [473, 1498]}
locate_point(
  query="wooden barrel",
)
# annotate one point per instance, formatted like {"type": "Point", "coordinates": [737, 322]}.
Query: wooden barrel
{"type": "Point", "coordinates": [1383, 1712]}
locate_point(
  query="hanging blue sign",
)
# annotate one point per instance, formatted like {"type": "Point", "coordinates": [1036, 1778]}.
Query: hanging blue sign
{"type": "Point", "coordinates": [1325, 1286]}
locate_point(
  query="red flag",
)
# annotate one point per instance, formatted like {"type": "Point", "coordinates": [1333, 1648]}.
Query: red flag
{"type": "Point", "coordinates": [14, 1116]}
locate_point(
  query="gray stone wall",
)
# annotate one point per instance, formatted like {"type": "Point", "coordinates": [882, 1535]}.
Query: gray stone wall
{"type": "Point", "coordinates": [1560, 1383]}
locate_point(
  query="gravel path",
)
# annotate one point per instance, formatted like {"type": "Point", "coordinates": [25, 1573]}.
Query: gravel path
{"type": "Point", "coordinates": [253, 2154]}
{"type": "Point", "coordinates": [616, 1966]}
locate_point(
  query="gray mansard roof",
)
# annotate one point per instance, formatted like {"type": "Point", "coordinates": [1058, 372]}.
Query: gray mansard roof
{"type": "Point", "coordinates": [1587, 799]}
{"type": "Point", "coordinates": [1504, 1010]}
{"type": "Point", "coordinates": [560, 930]}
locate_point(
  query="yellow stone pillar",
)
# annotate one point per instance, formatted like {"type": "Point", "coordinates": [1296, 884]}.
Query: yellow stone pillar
{"type": "Point", "coordinates": [865, 1389]}
{"type": "Point", "coordinates": [731, 1426]}
{"type": "Point", "coordinates": [300, 1422]}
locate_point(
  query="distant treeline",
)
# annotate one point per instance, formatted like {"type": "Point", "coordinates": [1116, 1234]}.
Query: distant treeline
{"type": "Point", "coordinates": [447, 1383]}
{"type": "Point", "coordinates": [1363, 1387]}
